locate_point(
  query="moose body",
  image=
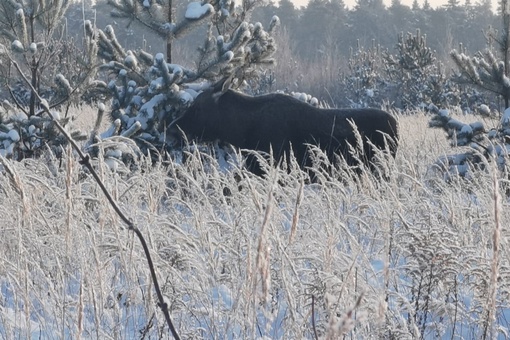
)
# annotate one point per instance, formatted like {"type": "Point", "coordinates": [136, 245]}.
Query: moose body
{"type": "Point", "coordinates": [278, 123]}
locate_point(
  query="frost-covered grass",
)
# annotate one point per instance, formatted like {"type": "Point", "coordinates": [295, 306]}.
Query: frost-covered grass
{"type": "Point", "coordinates": [240, 257]}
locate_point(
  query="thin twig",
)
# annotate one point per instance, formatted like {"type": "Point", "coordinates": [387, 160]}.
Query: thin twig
{"type": "Point", "coordinates": [490, 326]}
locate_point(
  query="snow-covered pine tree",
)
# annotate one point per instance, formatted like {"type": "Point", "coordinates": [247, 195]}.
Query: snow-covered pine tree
{"type": "Point", "coordinates": [364, 81]}
{"type": "Point", "coordinates": [147, 91]}
{"type": "Point", "coordinates": [489, 70]}
{"type": "Point", "coordinates": [416, 75]}
{"type": "Point", "coordinates": [36, 57]}
{"type": "Point", "coordinates": [491, 74]}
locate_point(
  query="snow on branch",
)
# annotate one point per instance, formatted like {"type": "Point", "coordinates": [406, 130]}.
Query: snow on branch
{"type": "Point", "coordinates": [480, 145]}
{"type": "Point", "coordinates": [482, 70]}
{"type": "Point", "coordinates": [147, 92]}
{"type": "Point", "coordinates": [196, 10]}
{"type": "Point", "coordinates": [460, 134]}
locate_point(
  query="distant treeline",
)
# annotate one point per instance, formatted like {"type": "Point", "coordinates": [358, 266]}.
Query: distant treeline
{"type": "Point", "coordinates": [325, 27]}
{"type": "Point", "coordinates": [328, 26]}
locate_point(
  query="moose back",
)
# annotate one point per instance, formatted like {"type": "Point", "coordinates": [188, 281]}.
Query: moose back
{"type": "Point", "coordinates": [278, 122]}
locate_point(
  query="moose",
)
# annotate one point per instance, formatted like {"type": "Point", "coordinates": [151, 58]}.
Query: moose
{"type": "Point", "coordinates": [278, 124]}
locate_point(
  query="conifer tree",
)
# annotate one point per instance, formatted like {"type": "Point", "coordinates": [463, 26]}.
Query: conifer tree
{"type": "Point", "coordinates": [147, 91]}
{"type": "Point", "coordinates": [489, 70]}
{"type": "Point", "coordinates": [416, 74]}
{"type": "Point", "coordinates": [154, 15]}
{"type": "Point", "coordinates": [363, 82]}
{"type": "Point", "coordinates": [36, 60]}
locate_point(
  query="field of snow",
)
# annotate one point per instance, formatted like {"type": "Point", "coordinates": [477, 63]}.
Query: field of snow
{"type": "Point", "coordinates": [241, 257]}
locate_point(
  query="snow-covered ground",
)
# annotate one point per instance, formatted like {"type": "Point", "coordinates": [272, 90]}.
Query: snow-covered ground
{"type": "Point", "coordinates": [240, 257]}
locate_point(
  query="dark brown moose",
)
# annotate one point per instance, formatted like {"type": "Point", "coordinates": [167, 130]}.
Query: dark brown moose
{"type": "Point", "coordinates": [278, 122]}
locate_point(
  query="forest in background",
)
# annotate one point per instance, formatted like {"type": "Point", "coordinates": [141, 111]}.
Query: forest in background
{"type": "Point", "coordinates": [344, 57]}
{"type": "Point", "coordinates": [336, 54]}
{"type": "Point", "coordinates": [324, 28]}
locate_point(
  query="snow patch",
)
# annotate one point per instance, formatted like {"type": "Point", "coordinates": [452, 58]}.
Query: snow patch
{"type": "Point", "coordinates": [33, 48]}
{"type": "Point", "coordinates": [130, 61]}
{"type": "Point", "coordinates": [185, 97]}
{"type": "Point", "coordinates": [196, 10]}
{"type": "Point", "coordinates": [228, 56]}
{"type": "Point", "coordinates": [147, 109]}
{"type": "Point", "coordinates": [13, 135]}
{"type": "Point", "coordinates": [55, 115]}
{"type": "Point", "coordinates": [17, 46]}
{"type": "Point", "coordinates": [192, 93]}
{"type": "Point", "coordinates": [484, 110]}
{"type": "Point", "coordinates": [20, 116]}
{"type": "Point", "coordinates": [115, 153]}
{"type": "Point", "coordinates": [466, 129]}
{"type": "Point", "coordinates": [168, 27]}
{"type": "Point", "coordinates": [444, 113]}
{"type": "Point", "coordinates": [505, 119]}
{"type": "Point", "coordinates": [159, 58]}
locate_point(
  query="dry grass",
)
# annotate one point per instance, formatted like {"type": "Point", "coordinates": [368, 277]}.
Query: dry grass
{"type": "Point", "coordinates": [405, 258]}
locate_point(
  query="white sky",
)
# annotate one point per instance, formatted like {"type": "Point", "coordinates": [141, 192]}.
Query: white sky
{"type": "Point", "coordinates": [433, 3]}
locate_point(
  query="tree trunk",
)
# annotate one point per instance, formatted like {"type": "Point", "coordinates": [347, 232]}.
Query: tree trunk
{"type": "Point", "coordinates": [169, 39]}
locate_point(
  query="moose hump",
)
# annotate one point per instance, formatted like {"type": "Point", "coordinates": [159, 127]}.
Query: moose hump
{"type": "Point", "coordinates": [279, 123]}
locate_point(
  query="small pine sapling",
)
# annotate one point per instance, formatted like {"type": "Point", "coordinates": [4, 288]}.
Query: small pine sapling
{"type": "Point", "coordinates": [37, 58]}
{"type": "Point", "coordinates": [364, 82]}
{"type": "Point", "coordinates": [416, 75]}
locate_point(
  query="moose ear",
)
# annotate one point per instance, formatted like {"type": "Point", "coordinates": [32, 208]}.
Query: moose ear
{"type": "Point", "coordinates": [221, 87]}
{"type": "Point", "coordinates": [226, 84]}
